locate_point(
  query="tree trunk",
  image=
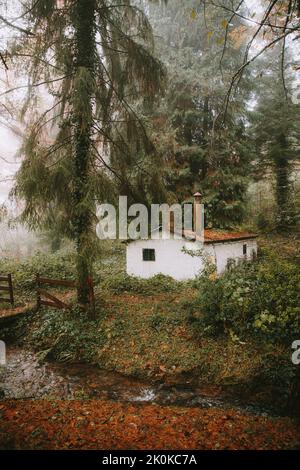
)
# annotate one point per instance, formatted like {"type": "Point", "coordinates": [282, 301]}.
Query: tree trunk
{"type": "Point", "coordinates": [206, 117]}
{"type": "Point", "coordinates": [282, 172]}
{"type": "Point", "coordinates": [85, 54]}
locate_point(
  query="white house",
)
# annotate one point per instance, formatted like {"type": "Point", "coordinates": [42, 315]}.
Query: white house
{"type": "Point", "coordinates": [171, 257]}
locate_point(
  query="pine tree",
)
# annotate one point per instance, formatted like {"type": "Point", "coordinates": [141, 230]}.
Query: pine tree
{"type": "Point", "coordinates": [201, 151]}
{"type": "Point", "coordinates": [275, 128]}
{"type": "Point", "coordinates": [94, 58]}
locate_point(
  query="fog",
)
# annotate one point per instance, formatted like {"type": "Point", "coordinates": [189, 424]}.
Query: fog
{"type": "Point", "coordinates": [19, 239]}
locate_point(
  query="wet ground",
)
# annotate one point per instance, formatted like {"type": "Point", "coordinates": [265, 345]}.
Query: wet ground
{"type": "Point", "coordinates": [25, 376]}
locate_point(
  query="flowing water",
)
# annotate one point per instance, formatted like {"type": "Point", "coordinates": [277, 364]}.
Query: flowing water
{"type": "Point", "coordinates": [25, 377]}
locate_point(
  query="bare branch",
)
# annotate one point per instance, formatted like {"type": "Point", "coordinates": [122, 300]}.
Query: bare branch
{"type": "Point", "coordinates": [18, 28]}
{"type": "Point", "coordinates": [34, 85]}
{"type": "Point", "coordinates": [237, 75]}
{"type": "Point", "coordinates": [234, 14]}
{"type": "Point", "coordinates": [283, 50]}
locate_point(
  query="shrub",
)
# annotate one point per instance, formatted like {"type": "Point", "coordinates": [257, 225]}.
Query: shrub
{"type": "Point", "coordinates": [121, 282]}
{"type": "Point", "coordinates": [51, 265]}
{"type": "Point", "coordinates": [65, 335]}
{"type": "Point", "coordinates": [261, 297]}
{"type": "Point", "coordinates": [280, 380]}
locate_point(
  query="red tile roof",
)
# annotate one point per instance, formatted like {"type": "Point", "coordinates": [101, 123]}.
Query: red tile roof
{"type": "Point", "coordinates": [215, 236]}
{"type": "Point", "coordinates": [218, 236]}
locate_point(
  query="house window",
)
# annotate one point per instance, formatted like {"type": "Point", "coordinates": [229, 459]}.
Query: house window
{"type": "Point", "coordinates": [245, 249]}
{"type": "Point", "coordinates": [148, 254]}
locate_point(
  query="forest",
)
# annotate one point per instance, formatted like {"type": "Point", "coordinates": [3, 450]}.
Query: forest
{"type": "Point", "coordinates": [164, 102]}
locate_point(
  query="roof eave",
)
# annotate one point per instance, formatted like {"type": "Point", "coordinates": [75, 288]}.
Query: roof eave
{"type": "Point", "coordinates": [235, 239]}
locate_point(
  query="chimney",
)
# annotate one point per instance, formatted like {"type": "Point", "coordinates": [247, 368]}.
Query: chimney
{"type": "Point", "coordinates": [197, 224]}
{"type": "Point", "coordinates": [171, 222]}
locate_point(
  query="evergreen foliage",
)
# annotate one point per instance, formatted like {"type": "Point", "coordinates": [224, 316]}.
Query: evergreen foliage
{"type": "Point", "coordinates": [201, 151]}
{"type": "Point", "coordinates": [275, 130]}
{"type": "Point", "coordinates": [95, 59]}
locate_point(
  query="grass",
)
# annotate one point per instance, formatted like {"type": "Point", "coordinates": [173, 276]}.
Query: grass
{"type": "Point", "coordinates": [143, 328]}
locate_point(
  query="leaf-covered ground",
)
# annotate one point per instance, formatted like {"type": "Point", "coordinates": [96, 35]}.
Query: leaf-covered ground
{"type": "Point", "coordinates": [149, 329]}
{"type": "Point", "coordinates": [145, 329]}
{"type": "Point", "coordinates": [94, 424]}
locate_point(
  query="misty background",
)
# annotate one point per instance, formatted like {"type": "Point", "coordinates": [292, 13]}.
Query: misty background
{"type": "Point", "coordinates": [15, 239]}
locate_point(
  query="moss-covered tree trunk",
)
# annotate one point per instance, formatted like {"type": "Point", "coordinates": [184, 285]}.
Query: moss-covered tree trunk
{"type": "Point", "coordinates": [85, 53]}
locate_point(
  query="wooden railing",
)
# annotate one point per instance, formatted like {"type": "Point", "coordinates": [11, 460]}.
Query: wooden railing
{"type": "Point", "coordinates": [44, 297]}
{"type": "Point", "coordinates": [48, 299]}
{"type": "Point", "coordinates": [7, 288]}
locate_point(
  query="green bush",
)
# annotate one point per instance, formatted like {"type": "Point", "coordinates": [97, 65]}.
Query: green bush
{"type": "Point", "coordinates": [24, 272]}
{"type": "Point", "coordinates": [280, 380]}
{"type": "Point", "coordinates": [65, 335]}
{"type": "Point", "coordinates": [261, 297]}
{"type": "Point", "coordinates": [121, 282]}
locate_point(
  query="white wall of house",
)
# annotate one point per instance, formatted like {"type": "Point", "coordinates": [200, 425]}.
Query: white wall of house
{"type": "Point", "coordinates": [170, 260]}
{"type": "Point", "coordinates": [223, 252]}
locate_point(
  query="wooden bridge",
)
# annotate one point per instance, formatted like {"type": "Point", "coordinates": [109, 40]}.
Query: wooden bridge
{"type": "Point", "coordinates": [43, 298]}
{"type": "Point", "coordinates": [8, 315]}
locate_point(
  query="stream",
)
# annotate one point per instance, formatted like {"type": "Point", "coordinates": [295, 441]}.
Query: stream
{"type": "Point", "coordinates": [25, 377]}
